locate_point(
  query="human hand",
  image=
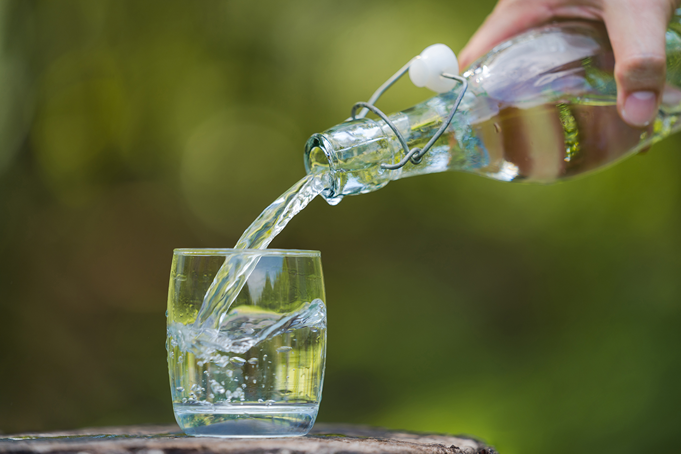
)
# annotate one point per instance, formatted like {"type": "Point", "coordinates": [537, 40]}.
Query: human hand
{"type": "Point", "coordinates": [637, 33]}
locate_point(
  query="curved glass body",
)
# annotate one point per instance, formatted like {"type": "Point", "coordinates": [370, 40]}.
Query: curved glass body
{"type": "Point", "coordinates": [260, 373]}
{"type": "Point", "coordinates": [539, 108]}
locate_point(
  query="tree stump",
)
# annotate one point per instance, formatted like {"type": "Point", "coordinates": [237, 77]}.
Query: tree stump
{"type": "Point", "coordinates": [323, 439]}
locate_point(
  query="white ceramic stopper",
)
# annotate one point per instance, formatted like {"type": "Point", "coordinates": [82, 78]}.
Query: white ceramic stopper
{"type": "Point", "coordinates": [426, 70]}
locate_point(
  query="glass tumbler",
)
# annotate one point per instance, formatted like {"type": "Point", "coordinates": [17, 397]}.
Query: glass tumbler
{"type": "Point", "coordinates": [259, 372]}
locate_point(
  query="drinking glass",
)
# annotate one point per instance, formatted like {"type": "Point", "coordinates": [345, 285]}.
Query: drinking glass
{"type": "Point", "coordinates": [259, 372]}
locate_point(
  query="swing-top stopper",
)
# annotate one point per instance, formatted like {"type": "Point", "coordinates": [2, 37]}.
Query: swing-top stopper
{"type": "Point", "coordinates": [427, 69]}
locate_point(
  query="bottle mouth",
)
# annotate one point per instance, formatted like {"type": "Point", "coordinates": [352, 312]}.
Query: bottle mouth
{"type": "Point", "coordinates": [319, 159]}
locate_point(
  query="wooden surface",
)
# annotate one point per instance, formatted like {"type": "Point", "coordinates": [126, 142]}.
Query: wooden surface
{"type": "Point", "coordinates": [324, 439]}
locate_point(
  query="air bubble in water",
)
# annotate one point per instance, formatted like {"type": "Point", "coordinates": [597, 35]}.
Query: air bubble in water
{"type": "Point", "coordinates": [284, 349]}
{"type": "Point", "coordinates": [221, 361]}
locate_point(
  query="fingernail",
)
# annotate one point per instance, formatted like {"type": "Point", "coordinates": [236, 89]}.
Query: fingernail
{"type": "Point", "coordinates": [640, 108]}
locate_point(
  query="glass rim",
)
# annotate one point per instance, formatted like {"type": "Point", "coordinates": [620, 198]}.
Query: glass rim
{"type": "Point", "coordinates": [259, 252]}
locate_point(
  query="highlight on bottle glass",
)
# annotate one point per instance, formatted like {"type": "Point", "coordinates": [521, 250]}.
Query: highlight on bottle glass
{"type": "Point", "coordinates": [255, 366]}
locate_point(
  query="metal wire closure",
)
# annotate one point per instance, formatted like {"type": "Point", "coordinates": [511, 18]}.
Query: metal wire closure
{"type": "Point", "coordinates": [382, 89]}
{"type": "Point", "coordinates": [415, 155]}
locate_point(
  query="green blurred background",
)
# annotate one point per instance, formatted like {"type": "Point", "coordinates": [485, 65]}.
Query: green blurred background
{"type": "Point", "coordinates": [543, 319]}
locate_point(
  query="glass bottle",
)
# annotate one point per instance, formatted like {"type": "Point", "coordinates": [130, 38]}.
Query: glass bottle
{"type": "Point", "coordinates": [540, 107]}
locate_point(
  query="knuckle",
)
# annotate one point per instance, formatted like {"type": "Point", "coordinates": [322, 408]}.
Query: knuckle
{"type": "Point", "coordinates": [642, 71]}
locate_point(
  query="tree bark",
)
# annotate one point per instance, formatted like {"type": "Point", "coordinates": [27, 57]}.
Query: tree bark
{"type": "Point", "coordinates": [323, 439]}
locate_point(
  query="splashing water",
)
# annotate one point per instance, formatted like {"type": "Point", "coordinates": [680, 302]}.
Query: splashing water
{"type": "Point", "coordinates": [242, 329]}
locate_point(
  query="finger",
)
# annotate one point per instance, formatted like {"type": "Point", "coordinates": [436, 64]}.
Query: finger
{"type": "Point", "coordinates": [637, 34]}
{"type": "Point", "coordinates": [506, 20]}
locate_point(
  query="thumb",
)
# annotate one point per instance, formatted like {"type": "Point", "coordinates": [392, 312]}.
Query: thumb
{"type": "Point", "coordinates": [637, 34]}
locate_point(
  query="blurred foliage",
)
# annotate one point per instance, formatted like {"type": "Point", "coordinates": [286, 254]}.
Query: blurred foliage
{"type": "Point", "coordinates": [540, 318]}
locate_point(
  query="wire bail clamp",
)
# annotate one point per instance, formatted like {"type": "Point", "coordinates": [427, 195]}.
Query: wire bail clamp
{"type": "Point", "coordinates": [415, 155]}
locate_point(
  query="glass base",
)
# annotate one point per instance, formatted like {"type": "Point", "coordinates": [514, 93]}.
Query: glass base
{"type": "Point", "coordinates": [247, 420]}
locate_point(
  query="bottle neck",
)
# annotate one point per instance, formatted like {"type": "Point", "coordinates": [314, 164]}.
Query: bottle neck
{"type": "Point", "coordinates": [352, 152]}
